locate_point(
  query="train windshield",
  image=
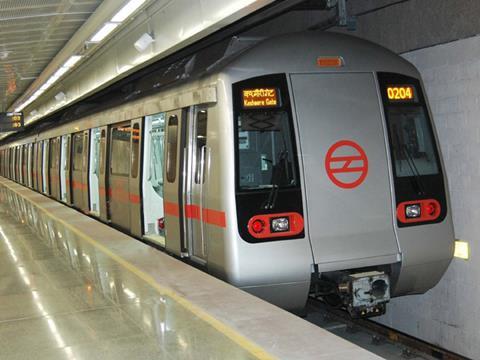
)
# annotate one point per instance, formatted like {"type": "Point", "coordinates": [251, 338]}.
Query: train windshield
{"type": "Point", "coordinates": [411, 142]}
{"type": "Point", "coordinates": [265, 150]}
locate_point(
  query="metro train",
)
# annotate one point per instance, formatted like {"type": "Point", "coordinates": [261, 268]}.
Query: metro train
{"type": "Point", "coordinates": [305, 164]}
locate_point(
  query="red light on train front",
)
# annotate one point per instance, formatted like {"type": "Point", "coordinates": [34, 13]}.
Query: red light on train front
{"type": "Point", "coordinates": [275, 225]}
{"type": "Point", "coordinates": [258, 226]}
{"type": "Point", "coordinates": [431, 208]}
{"type": "Point", "coordinates": [418, 211]}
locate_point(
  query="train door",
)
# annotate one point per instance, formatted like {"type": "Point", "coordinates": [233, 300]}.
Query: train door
{"type": "Point", "coordinates": [45, 155]}
{"type": "Point", "coordinates": [134, 183]}
{"type": "Point", "coordinates": [345, 169]}
{"type": "Point", "coordinates": [77, 169]}
{"type": "Point", "coordinates": [103, 174]}
{"type": "Point", "coordinates": [195, 158]}
{"type": "Point", "coordinates": [30, 165]}
{"type": "Point", "coordinates": [54, 168]}
{"type": "Point", "coordinates": [152, 182]}
{"type": "Point", "coordinates": [24, 164]}
{"type": "Point", "coordinates": [119, 172]}
{"type": "Point", "coordinates": [94, 171]}
{"type": "Point", "coordinates": [102, 178]}
{"type": "Point", "coordinates": [173, 206]}
{"type": "Point", "coordinates": [14, 163]}
{"type": "Point", "coordinates": [85, 161]}
{"type": "Point", "coordinates": [19, 164]}
{"type": "Point", "coordinates": [66, 169]}
{"type": "Point", "coordinates": [63, 168]}
{"type": "Point", "coordinates": [36, 165]}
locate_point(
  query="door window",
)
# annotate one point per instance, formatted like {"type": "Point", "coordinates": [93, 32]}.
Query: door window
{"type": "Point", "coordinates": [172, 140]}
{"type": "Point", "coordinates": [77, 151]}
{"type": "Point", "coordinates": [120, 151]}
{"type": "Point", "coordinates": [135, 149]}
{"type": "Point", "coordinates": [200, 142]}
{"type": "Point", "coordinates": [157, 136]}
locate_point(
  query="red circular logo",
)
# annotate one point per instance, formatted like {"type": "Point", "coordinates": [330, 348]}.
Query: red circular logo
{"type": "Point", "coordinates": [346, 164]}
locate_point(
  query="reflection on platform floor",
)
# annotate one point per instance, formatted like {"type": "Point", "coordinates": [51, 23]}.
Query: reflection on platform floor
{"type": "Point", "coordinates": [61, 298]}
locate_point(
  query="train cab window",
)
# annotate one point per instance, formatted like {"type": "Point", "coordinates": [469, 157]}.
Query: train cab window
{"type": "Point", "coordinates": [412, 143]}
{"type": "Point", "coordinates": [172, 139]}
{"type": "Point", "coordinates": [265, 142]}
{"type": "Point", "coordinates": [411, 137]}
{"type": "Point", "coordinates": [120, 151]}
{"type": "Point", "coordinates": [135, 150]}
{"type": "Point", "coordinates": [200, 144]}
{"type": "Point", "coordinates": [265, 150]}
{"type": "Point", "coordinates": [77, 151]}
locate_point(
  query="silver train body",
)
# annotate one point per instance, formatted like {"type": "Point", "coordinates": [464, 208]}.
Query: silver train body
{"type": "Point", "coordinates": [306, 164]}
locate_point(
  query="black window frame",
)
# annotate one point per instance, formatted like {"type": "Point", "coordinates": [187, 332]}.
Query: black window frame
{"type": "Point", "coordinates": [432, 186]}
{"type": "Point", "coordinates": [250, 202]}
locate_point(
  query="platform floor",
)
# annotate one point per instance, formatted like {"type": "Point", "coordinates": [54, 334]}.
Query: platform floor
{"type": "Point", "coordinates": [63, 295]}
{"type": "Point", "coordinates": [49, 310]}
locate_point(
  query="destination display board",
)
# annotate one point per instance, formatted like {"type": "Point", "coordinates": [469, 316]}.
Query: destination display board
{"type": "Point", "coordinates": [260, 98]}
{"type": "Point", "coordinates": [11, 121]}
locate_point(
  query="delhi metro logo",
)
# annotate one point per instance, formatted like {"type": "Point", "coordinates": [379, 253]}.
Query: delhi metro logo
{"type": "Point", "coordinates": [346, 164]}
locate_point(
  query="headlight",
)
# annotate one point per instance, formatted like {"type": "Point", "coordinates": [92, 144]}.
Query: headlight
{"type": "Point", "coordinates": [280, 224]}
{"type": "Point", "coordinates": [413, 211]}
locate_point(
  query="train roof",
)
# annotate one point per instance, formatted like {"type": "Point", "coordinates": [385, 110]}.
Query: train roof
{"type": "Point", "coordinates": [298, 52]}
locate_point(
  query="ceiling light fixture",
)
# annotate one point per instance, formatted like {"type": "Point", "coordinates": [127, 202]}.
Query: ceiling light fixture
{"type": "Point", "coordinates": [101, 34]}
{"type": "Point", "coordinates": [127, 10]}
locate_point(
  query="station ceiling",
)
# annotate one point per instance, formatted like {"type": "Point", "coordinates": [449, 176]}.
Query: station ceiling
{"type": "Point", "coordinates": [32, 32]}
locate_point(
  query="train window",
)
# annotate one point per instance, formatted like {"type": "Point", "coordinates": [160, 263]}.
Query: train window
{"type": "Point", "coordinates": [201, 142]}
{"type": "Point", "coordinates": [120, 151]}
{"type": "Point", "coordinates": [102, 152]}
{"type": "Point", "coordinates": [135, 150]}
{"type": "Point", "coordinates": [412, 143]}
{"type": "Point", "coordinates": [265, 150]}
{"type": "Point", "coordinates": [172, 139]}
{"type": "Point", "coordinates": [77, 151]}
{"type": "Point", "coordinates": [157, 136]}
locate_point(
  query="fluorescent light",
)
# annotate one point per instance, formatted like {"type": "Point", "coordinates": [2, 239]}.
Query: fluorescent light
{"type": "Point", "coordinates": [103, 32]}
{"type": "Point", "coordinates": [72, 61]}
{"type": "Point", "coordinates": [127, 10]}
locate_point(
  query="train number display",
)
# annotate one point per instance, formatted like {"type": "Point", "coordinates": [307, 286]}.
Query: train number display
{"type": "Point", "coordinates": [401, 93]}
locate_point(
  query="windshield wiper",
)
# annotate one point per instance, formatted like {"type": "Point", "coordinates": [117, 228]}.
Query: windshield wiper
{"type": "Point", "coordinates": [417, 180]}
{"type": "Point", "coordinates": [276, 177]}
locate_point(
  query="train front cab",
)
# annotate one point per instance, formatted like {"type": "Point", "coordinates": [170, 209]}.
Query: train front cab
{"type": "Point", "coordinates": [335, 186]}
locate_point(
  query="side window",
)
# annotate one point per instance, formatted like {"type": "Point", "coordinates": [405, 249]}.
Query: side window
{"type": "Point", "coordinates": [120, 151]}
{"type": "Point", "coordinates": [200, 142]}
{"type": "Point", "coordinates": [85, 156]}
{"type": "Point", "coordinates": [135, 150]}
{"type": "Point", "coordinates": [172, 140]}
{"type": "Point", "coordinates": [77, 151]}
{"type": "Point", "coordinates": [51, 153]}
{"type": "Point", "coordinates": [102, 152]}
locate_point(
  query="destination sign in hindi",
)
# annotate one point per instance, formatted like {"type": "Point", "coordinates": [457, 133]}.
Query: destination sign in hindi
{"type": "Point", "coordinates": [260, 98]}
{"type": "Point", "coordinates": [11, 121]}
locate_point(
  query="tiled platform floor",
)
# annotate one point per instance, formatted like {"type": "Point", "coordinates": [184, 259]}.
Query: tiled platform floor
{"type": "Point", "coordinates": [62, 300]}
